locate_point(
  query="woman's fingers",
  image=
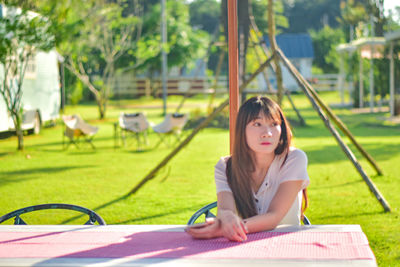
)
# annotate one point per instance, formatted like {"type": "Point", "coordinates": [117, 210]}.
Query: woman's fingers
{"type": "Point", "coordinates": [239, 230]}
{"type": "Point", "coordinates": [244, 227]}
{"type": "Point", "coordinates": [234, 229]}
{"type": "Point", "coordinates": [235, 232]}
{"type": "Point", "coordinates": [204, 231]}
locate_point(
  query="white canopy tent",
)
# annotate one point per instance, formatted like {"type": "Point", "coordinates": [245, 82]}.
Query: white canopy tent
{"type": "Point", "coordinates": [370, 48]}
{"type": "Point", "coordinates": [343, 48]}
{"type": "Point", "coordinates": [391, 38]}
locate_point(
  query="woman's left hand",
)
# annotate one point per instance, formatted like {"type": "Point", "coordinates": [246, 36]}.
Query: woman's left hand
{"type": "Point", "coordinates": [210, 229]}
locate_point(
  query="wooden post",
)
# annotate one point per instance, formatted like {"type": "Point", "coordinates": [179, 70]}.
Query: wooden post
{"type": "Point", "coordinates": [215, 82]}
{"type": "Point", "coordinates": [164, 59]}
{"type": "Point", "coordinates": [371, 81]}
{"type": "Point", "coordinates": [173, 153]}
{"type": "Point", "coordinates": [391, 81]}
{"type": "Point", "coordinates": [301, 120]}
{"type": "Point", "coordinates": [310, 93]}
{"type": "Point", "coordinates": [274, 46]}
{"type": "Point", "coordinates": [233, 69]}
{"type": "Point", "coordinates": [265, 73]}
{"type": "Point", "coordinates": [265, 50]}
{"type": "Point", "coordinates": [341, 78]}
{"type": "Point", "coordinates": [361, 84]}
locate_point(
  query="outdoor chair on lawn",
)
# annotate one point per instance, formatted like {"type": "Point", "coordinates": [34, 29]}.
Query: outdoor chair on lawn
{"type": "Point", "coordinates": [172, 125]}
{"type": "Point", "coordinates": [76, 129]}
{"type": "Point", "coordinates": [93, 216]}
{"type": "Point", "coordinates": [206, 211]}
{"type": "Point", "coordinates": [131, 123]}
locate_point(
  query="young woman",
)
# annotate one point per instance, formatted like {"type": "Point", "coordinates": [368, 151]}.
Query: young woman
{"type": "Point", "coordinates": [260, 185]}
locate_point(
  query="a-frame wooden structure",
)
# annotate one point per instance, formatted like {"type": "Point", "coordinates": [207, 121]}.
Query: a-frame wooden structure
{"type": "Point", "coordinates": [233, 101]}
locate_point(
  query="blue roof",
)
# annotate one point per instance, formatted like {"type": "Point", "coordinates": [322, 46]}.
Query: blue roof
{"type": "Point", "coordinates": [294, 45]}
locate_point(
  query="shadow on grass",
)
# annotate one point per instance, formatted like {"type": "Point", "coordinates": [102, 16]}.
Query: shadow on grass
{"type": "Point", "coordinates": [5, 135]}
{"type": "Point", "coordinates": [112, 202]}
{"type": "Point", "coordinates": [7, 180]}
{"type": "Point", "coordinates": [354, 215]}
{"type": "Point", "coordinates": [333, 153]}
{"type": "Point", "coordinates": [83, 144]}
{"type": "Point", "coordinates": [192, 208]}
{"type": "Point", "coordinates": [3, 154]}
{"type": "Point", "coordinates": [7, 176]}
{"type": "Point", "coordinates": [102, 206]}
{"type": "Point", "coordinates": [322, 187]}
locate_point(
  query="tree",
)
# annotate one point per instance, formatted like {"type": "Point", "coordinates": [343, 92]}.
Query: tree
{"type": "Point", "coordinates": [184, 44]}
{"type": "Point", "coordinates": [304, 15]}
{"type": "Point", "coordinates": [21, 34]}
{"type": "Point", "coordinates": [325, 42]}
{"type": "Point", "coordinates": [205, 15]}
{"type": "Point", "coordinates": [272, 41]}
{"type": "Point", "coordinates": [101, 36]}
{"type": "Point", "coordinates": [259, 9]}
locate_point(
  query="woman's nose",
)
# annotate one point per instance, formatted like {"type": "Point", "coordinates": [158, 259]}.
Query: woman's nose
{"type": "Point", "coordinates": [266, 132]}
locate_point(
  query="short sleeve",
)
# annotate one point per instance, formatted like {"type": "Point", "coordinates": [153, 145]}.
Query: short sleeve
{"type": "Point", "coordinates": [221, 181]}
{"type": "Point", "coordinates": [295, 168]}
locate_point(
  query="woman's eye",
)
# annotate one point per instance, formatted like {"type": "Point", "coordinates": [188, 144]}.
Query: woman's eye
{"type": "Point", "coordinates": [275, 124]}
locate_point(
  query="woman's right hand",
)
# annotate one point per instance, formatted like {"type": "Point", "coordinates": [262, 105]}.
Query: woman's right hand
{"type": "Point", "coordinates": [209, 229]}
{"type": "Point", "coordinates": [232, 226]}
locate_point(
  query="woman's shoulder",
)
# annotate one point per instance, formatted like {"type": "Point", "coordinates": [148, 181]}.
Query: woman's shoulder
{"type": "Point", "coordinates": [221, 164]}
{"type": "Point", "coordinates": [295, 152]}
{"type": "Point", "coordinates": [295, 157]}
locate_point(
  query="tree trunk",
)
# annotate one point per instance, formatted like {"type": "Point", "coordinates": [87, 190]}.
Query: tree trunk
{"type": "Point", "coordinates": [101, 107]}
{"type": "Point", "coordinates": [20, 136]}
{"type": "Point", "coordinates": [243, 32]}
{"type": "Point", "coordinates": [244, 28]}
{"type": "Point", "coordinates": [272, 40]}
{"type": "Point", "coordinates": [16, 117]}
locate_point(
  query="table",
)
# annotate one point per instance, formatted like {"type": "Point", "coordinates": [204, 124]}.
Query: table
{"type": "Point", "coordinates": [169, 245]}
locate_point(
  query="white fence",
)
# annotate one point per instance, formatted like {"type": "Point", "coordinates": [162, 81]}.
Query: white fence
{"type": "Point", "coordinates": [328, 82]}
{"type": "Point", "coordinates": [126, 86]}
{"type": "Point", "coordinates": [131, 86]}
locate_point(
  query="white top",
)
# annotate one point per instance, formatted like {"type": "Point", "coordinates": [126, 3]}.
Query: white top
{"type": "Point", "coordinates": [294, 168]}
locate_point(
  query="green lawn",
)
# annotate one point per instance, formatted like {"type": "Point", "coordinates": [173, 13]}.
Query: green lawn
{"type": "Point", "coordinates": [98, 179]}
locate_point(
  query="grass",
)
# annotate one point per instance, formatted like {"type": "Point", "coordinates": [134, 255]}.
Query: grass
{"type": "Point", "coordinates": [98, 179]}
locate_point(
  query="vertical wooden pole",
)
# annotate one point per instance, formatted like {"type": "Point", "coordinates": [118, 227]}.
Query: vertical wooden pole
{"type": "Point", "coordinates": [391, 85]}
{"type": "Point", "coordinates": [274, 46]}
{"type": "Point", "coordinates": [233, 69]}
{"type": "Point", "coordinates": [371, 81]}
{"type": "Point", "coordinates": [341, 78]}
{"type": "Point", "coordinates": [164, 64]}
{"type": "Point", "coordinates": [361, 84]}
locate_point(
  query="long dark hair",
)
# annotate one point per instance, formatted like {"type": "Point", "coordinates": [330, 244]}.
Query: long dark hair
{"type": "Point", "coordinates": [241, 164]}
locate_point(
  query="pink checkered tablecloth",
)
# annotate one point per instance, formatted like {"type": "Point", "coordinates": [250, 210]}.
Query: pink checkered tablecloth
{"type": "Point", "coordinates": [303, 245]}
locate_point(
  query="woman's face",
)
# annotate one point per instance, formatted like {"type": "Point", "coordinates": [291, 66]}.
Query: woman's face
{"type": "Point", "coordinates": [262, 134]}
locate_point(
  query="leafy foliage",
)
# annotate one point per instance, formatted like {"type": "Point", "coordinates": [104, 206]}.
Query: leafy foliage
{"type": "Point", "coordinates": [325, 42]}
{"type": "Point", "coordinates": [21, 34]}
{"type": "Point", "coordinates": [184, 43]}
{"type": "Point", "coordinates": [311, 14]}
{"type": "Point", "coordinates": [205, 14]}
{"type": "Point", "coordinates": [100, 36]}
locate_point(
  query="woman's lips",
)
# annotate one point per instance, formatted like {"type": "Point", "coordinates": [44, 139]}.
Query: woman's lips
{"type": "Point", "coordinates": [265, 143]}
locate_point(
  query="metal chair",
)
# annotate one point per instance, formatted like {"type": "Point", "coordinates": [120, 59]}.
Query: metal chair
{"type": "Point", "coordinates": [93, 216]}
{"type": "Point", "coordinates": [206, 210]}
{"type": "Point", "coordinates": [172, 125]}
{"type": "Point", "coordinates": [76, 128]}
{"type": "Point", "coordinates": [134, 123]}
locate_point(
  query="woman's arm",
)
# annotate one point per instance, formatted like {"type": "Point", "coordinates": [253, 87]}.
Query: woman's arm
{"type": "Point", "coordinates": [280, 205]}
{"type": "Point", "coordinates": [227, 223]}
{"type": "Point", "coordinates": [232, 226]}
